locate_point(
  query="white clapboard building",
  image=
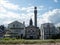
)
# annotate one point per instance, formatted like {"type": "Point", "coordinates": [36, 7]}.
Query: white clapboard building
{"type": "Point", "coordinates": [17, 29]}
{"type": "Point", "coordinates": [48, 30]}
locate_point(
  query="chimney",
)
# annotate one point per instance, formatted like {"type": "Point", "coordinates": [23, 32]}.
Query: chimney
{"type": "Point", "coordinates": [24, 23]}
{"type": "Point", "coordinates": [35, 16]}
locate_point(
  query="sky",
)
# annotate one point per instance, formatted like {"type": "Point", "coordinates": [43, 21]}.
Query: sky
{"type": "Point", "coordinates": [23, 10]}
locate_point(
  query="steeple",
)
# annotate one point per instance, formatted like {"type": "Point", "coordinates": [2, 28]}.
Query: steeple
{"type": "Point", "coordinates": [31, 22]}
{"type": "Point", "coordinates": [35, 16]}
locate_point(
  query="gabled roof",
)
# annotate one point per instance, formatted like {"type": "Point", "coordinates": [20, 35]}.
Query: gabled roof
{"type": "Point", "coordinates": [15, 22]}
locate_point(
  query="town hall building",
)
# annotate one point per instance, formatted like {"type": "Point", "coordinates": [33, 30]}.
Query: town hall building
{"type": "Point", "coordinates": [32, 31]}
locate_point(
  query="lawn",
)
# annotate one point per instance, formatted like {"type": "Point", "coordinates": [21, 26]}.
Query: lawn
{"type": "Point", "coordinates": [24, 41]}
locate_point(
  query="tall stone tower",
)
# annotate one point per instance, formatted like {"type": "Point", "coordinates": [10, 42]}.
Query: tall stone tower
{"type": "Point", "coordinates": [35, 16]}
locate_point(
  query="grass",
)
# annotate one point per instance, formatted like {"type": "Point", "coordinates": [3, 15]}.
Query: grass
{"type": "Point", "coordinates": [23, 41]}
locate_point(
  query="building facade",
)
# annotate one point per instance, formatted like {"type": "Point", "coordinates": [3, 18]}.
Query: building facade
{"type": "Point", "coordinates": [32, 32]}
{"type": "Point", "coordinates": [17, 29]}
{"type": "Point", "coordinates": [48, 30]}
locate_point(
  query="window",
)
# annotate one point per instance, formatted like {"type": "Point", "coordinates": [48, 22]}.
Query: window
{"type": "Point", "coordinates": [13, 25]}
{"type": "Point", "coordinates": [17, 25]}
{"type": "Point", "coordinates": [33, 30]}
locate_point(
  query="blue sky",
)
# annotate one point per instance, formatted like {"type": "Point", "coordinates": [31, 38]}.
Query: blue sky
{"type": "Point", "coordinates": [22, 10]}
{"type": "Point", "coordinates": [48, 3]}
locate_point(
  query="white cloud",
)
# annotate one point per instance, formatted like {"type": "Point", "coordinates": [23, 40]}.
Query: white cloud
{"type": "Point", "coordinates": [9, 16]}
{"type": "Point", "coordinates": [27, 9]}
{"type": "Point", "coordinates": [8, 5]}
{"type": "Point", "coordinates": [31, 8]}
{"type": "Point", "coordinates": [51, 16]}
{"type": "Point", "coordinates": [55, 1]}
{"type": "Point", "coordinates": [5, 15]}
{"type": "Point", "coordinates": [2, 9]}
{"type": "Point", "coordinates": [56, 16]}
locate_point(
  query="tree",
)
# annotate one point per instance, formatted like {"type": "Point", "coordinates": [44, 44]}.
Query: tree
{"type": "Point", "coordinates": [2, 27]}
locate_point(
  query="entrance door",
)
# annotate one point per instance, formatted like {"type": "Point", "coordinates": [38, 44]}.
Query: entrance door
{"type": "Point", "coordinates": [31, 37]}
{"type": "Point", "coordinates": [21, 36]}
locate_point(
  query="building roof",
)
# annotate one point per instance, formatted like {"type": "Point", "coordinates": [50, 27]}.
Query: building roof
{"type": "Point", "coordinates": [16, 24]}
{"type": "Point", "coordinates": [31, 26]}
